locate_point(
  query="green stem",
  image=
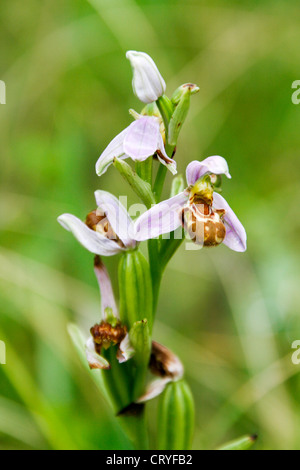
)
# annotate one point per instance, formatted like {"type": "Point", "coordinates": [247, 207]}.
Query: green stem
{"type": "Point", "coordinates": [136, 428]}
{"type": "Point", "coordinates": [159, 182]}
{"type": "Point", "coordinates": [155, 269]}
{"type": "Point", "coordinates": [166, 109]}
{"type": "Point", "coordinates": [117, 380]}
{"type": "Point", "coordinates": [169, 248]}
{"type": "Point", "coordinates": [144, 170]}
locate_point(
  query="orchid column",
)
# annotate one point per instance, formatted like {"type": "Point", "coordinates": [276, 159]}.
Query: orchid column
{"type": "Point", "coordinates": [133, 368]}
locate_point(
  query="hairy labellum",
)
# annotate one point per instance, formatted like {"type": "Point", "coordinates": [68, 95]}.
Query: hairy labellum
{"type": "Point", "coordinates": [105, 335]}
{"type": "Point", "coordinates": [204, 225]}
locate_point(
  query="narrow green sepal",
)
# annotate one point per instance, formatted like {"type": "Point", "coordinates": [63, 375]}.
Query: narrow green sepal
{"type": "Point", "coordinates": [135, 289]}
{"type": "Point", "coordinates": [141, 188]}
{"type": "Point", "coordinates": [243, 443]}
{"type": "Point", "coordinates": [177, 185]}
{"type": "Point", "coordinates": [176, 417]}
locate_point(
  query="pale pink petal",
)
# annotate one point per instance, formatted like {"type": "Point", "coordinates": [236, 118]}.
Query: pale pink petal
{"type": "Point", "coordinates": [93, 241]}
{"type": "Point", "coordinates": [106, 291]}
{"type": "Point", "coordinates": [236, 237]}
{"type": "Point", "coordinates": [117, 216]}
{"type": "Point", "coordinates": [114, 149]}
{"type": "Point", "coordinates": [141, 139]}
{"type": "Point", "coordinates": [165, 217]}
{"type": "Point", "coordinates": [148, 84]}
{"type": "Point", "coordinates": [216, 165]}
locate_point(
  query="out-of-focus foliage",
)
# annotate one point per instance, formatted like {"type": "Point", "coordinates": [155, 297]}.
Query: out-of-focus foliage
{"type": "Point", "coordinates": [230, 317]}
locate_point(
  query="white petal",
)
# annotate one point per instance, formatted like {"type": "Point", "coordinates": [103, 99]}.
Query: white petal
{"type": "Point", "coordinates": [107, 295]}
{"type": "Point", "coordinates": [153, 389]}
{"type": "Point", "coordinates": [126, 351]}
{"type": "Point", "coordinates": [236, 237]}
{"type": "Point", "coordinates": [91, 240]}
{"type": "Point", "coordinates": [114, 149]}
{"type": "Point", "coordinates": [216, 165]}
{"type": "Point", "coordinates": [141, 139]}
{"type": "Point", "coordinates": [165, 217]}
{"type": "Point", "coordinates": [94, 359]}
{"type": "Point", "coordinates": [117, 216]}
{"type": "Point", "coordinates": [148, 84]}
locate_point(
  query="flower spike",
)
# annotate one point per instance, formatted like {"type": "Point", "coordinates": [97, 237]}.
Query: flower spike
{"type": "Point", "coordinates": [110, 331]}
{"type": "Point", "coordinates": [107, 230]}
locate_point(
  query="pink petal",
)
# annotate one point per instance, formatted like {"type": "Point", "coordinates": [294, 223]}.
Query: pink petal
{"type": "Point", "coordinates": [114, 149]}
{"type": "Point", "coordinates": [117, 216]}
{"type": "Point", "coordinates": [216, 165]}
{"type": "Point", "coordinates": [91, 240]}
{"type": "Point", "coordinates": [236, 237]}
{"type": "Point", "coordinates": [165, 217]}
{"type": "Point", "coordinates": [141, 139]}
{"type": "Point", "coordinates": [107, 295]}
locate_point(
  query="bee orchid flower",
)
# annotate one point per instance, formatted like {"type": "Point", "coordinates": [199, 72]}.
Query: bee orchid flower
{"type": "Point", "coordinates": [203, 212]}
{"type": "Point", "coordinates": [139, 141]}
{"type": "Point", "coordinates": [166, 367]}
{"type": "Point", "coordinates": [110, 332]}
{"type": "Point", "coordinates": [107, 230]}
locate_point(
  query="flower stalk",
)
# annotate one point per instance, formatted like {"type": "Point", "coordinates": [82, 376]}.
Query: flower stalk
{"type": "Point", "coordinates": [133, 369]}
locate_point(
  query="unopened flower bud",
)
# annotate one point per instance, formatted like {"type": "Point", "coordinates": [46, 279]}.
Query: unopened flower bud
{"type": "Point", "coordinates": [181, 99]}
{"type": "Point", "coordinates": [186, 88]}
{"type": "Point", "coordinates": [148, 84]}
{"type": "Point", "coordinates": [175, 417]}
{"type": "Point", "coordinates": [135, 289]}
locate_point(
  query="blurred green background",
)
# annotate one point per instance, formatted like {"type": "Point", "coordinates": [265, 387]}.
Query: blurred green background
{"type": "Point", "coordinates": [230, 317]}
